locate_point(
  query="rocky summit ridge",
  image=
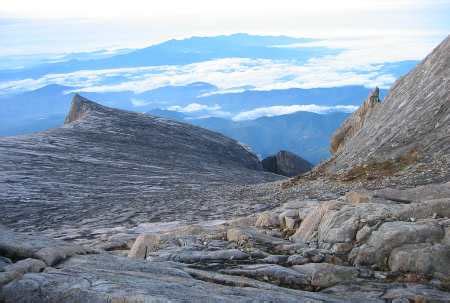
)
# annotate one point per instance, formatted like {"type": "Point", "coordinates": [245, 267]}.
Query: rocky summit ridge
{"type": "Point", "coordinates": [116, 206]}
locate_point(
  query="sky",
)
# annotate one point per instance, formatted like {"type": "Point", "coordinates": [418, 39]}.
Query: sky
{"type": "Point", "coordinates": [55, 26]}
{"type": "Point", "coordinates": [369, 34]}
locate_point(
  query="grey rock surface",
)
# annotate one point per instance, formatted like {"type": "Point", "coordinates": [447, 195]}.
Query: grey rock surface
{"type": "Point", "coordinates": [410, 127]}
{"type": "Point", "coordinates": [107, 168]}
{"type": "Point", "coordinates": [286, 164]}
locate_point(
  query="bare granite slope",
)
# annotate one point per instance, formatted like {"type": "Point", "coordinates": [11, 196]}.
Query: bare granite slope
{"type": "Point", "coordinates": [412, 124]}
{"type": "Point", "coordinates": [107, 166]}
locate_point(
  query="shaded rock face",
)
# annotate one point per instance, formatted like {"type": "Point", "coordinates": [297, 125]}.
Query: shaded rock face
{"type": "Point", "coordinates": [409, 127]}
{"type": "Point", "coordinates": [108, 167]}
{"type": "Point", "coordinates": [286, 164]}
{"type": "Point", "coordinates": [355, 122]}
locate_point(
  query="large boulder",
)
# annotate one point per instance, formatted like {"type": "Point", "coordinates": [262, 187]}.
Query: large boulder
{"type": "Point", "coordinates": [422, 258]}
{"type": "Point", "coordinates": [391, 235]}
{"type": "Point", "coordinates": [286, 163]}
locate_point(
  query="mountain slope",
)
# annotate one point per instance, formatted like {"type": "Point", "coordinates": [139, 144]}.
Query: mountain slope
{"type": "Point", "coordinates": [106, 164]}
{"type": "Point", "coordinates": [411, 126]}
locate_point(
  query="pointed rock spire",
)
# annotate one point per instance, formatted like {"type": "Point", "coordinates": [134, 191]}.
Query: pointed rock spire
{"type": "Point", "coordinates": [80, 106]}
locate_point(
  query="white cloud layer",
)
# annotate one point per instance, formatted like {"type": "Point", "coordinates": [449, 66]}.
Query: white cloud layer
{"type": "Point", "coordinates": [193, 107]}
{"type": "Point", "coordinates": [227, 74]}
{"type": "Point", "coordinates": [272, 111]}
{"type": "Point", "coordinates": [361, 62]}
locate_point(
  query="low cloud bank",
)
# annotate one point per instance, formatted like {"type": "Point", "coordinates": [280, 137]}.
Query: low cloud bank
{"type": "Point", "coordinates": [279, 110]}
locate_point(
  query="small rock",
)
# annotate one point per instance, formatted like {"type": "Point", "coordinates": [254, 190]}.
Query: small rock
{"type": "Point", "coordinates": [297, 260]}
{"type": "Point", "coordinates": [143, 245]}
{"type": "Point", "coordinates": [357, 197]}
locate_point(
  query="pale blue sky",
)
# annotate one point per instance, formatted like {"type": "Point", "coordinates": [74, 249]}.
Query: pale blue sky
{"type": "Point", "coordinates": [52, 26]}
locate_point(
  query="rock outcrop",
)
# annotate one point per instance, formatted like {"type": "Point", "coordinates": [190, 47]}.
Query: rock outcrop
{"type": "Point", "coordinates": [107, 168]}
{"type": "Point", "coordinates": [410, 128]}
{"type": "Point", "coordinates": [355, 122]}
{"type": "Point", "coordinates": [338, 251]}
{"type": "Point", "coordinates": [286, 164]}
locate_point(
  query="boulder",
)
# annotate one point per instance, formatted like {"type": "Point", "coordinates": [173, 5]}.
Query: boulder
{"type": "Point", "coordinates": [267, 219]}
{"type": "Point", "coordinates": [322, 275]}
{"type": "Point", "coordinates": [391, 235]}
{"type": "Point", "coordinates": [143, 245]}
{"type": "Point", "coordinates": [422, 258]}
{"type": "Point", "coordinates": [4, 262]}
{"type": "Point", "coordinates": [271, 273]}
{"type": "Point", "coordinates": [209, 256]}
{"type": "Point", "coordinates": [286, 164]}
{"type": "Point", "coordinates": [251, 235]}
{"type": "Point", "coordinates": [357, 197]}
{"type": "Point", "coordinates": [20, 246]}
{"type": "Point", "coordinates": [308, 227]}
{"type": "Point", "coordinates": [18, 269]}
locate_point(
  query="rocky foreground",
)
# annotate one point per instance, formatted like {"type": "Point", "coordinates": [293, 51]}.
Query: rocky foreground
{"type": "Point", "coordinates": [379, 246]}
{"type": "Point", "coordinates": [122, 207]}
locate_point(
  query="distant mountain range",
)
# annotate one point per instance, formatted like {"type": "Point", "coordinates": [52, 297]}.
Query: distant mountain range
{"type": "Point", "coordinates": [303, 133]}
{"type": "Point", "coordinates": [185, 51]}
{"type": "Point", "coordinates": [239, 85]}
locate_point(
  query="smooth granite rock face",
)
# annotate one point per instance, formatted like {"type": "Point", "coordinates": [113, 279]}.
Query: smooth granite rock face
{"type": "Point", "coordinates": [286, 164]}
{"type": "Point", "coordinates": [409, 127]}
{"type": "Point", "coordinates": [107, 168]}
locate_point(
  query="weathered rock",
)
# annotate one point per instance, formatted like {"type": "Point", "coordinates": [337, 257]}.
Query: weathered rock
{"type": "Point", "coordinates": [21, 246]}
{"type": "Point", "coordinates": [4, 262]}
{"type": "Point", "coordinates": [298, 260]}
{"type": "Point", "coordinates": [324, 275]}
{"type": "Point", "coordinates": [286, 164]}
{"type": "Point", "coordinates": [416, 194]}
{"type": "Point", "coordinates": [18, 269]}
{"type": "Point", "coordinates": [426, 209]}
{"type": "Point", "coordinates": [209, 256]}
{"type": "Point", "coordinates": [308, 228]}
{"type": "Point", "coordinates": [363, 234]}
{"type": "Point", "coordinates": [417, 293]}
{"type": "Point", "coordinates": [273, 273]}
{"type": "Point", "coordinates": [391, 235]}
{"type": "Point", "coordinates": [249, 235]}
{"type": "Point", "coordinates": [267, 219]}
{"type": "Point", "coordinates": [393, 292]}
{"type": "Point", "coordinates": [106, 278]}
{"type": "Point", "coordinates": [275, 259]}
{"type": "Point", "coordinates": [426, 259]}
{"type": "Point", "coordinates": [143, 245]}
{"type": "Point", "coordinates": [357, 197]}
